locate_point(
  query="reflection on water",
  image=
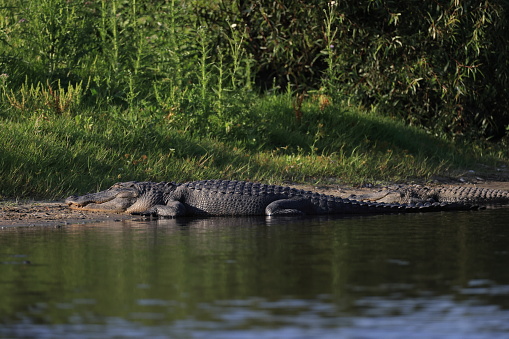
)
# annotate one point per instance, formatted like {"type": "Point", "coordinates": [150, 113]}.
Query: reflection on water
{"type": "Point", "coordinates": [421, 275]}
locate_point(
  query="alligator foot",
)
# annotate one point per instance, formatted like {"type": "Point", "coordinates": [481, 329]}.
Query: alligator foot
{"type": "Point", "coordinates": [146, 214]}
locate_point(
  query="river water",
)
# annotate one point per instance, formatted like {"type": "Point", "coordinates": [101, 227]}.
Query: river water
{"type": "Point", "coordinates": [433, 275]}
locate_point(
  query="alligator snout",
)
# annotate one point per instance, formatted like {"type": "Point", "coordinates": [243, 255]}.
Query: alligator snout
{"type": "Point", "coordinates": [74, 200]}
{"type": "Point", "coordinates": [110, 200]}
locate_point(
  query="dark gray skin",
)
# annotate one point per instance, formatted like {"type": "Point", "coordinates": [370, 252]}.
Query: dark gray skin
{"type": "Point", "coordinates": [232, 198]}
{"type": "Point", "coordinates": [408, 194]}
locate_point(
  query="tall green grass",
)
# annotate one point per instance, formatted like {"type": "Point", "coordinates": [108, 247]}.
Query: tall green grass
{"type": "Point", "coordinates": [97, 92]}
{"type": "Point", "coordinates": [54, 156]}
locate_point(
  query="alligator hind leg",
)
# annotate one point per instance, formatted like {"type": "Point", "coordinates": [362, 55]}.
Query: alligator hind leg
{"type": "Point", "coordinates": [289, 207]}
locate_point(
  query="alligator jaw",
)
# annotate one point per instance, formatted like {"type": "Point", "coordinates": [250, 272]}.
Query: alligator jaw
{"type": "Point", "coordinates": [105, 201]}
{"type": "Point", "coordinates": [93, 207]}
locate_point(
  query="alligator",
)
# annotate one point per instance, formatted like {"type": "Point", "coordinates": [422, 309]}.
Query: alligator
{"type": "Point", "coordinates": [233, 198]}
{"type": "Point", "coordinates": [417, 194]}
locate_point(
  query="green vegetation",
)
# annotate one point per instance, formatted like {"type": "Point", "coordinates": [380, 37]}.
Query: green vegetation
{"type": "Point", "coordinates": [94, 92]}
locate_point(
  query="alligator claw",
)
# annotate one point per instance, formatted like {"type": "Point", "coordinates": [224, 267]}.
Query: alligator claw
{"type": "Point", "coordinates": [147, 214]}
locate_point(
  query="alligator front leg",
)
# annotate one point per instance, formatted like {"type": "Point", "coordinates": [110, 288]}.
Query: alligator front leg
{"type": "Point", "coordinates": [290, 206]}
{"type": "Point", "coordinates": [171, 210]}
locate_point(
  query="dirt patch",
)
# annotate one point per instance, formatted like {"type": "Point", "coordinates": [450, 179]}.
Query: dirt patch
{"type": "Point", "coordinates": [55, 214]}
{"type": "Point", "coordinates": [37, 213]}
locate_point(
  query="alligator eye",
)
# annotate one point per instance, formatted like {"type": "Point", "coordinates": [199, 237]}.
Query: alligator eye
{"type": "Point", "coordinates": [122, 185]}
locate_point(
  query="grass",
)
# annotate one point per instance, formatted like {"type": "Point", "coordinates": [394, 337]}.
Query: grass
{"type": "Point", "coordinates": [118, 95]}
{"type": "Point", "coordinates": [52, 156]}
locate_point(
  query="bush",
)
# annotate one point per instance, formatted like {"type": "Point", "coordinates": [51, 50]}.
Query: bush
{"type": "Point", "coordinates": [441, 65]}
{"type": "Point", "coordinates": [438, 64]}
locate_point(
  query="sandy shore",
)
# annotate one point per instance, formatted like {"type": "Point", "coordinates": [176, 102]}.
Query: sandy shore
{"type": "Point", "coordinates": [56, 213]}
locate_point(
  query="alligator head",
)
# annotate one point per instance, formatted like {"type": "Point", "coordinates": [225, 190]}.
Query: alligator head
{"type": "Point", "coordinates": [131, 196]}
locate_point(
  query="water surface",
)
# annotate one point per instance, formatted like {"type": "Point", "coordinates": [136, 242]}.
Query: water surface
{"type": "Point", "coordinates": [434, 275]}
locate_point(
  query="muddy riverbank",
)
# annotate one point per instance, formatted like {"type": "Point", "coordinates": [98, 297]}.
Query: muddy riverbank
{"type": "Point", "coordinates": [56, 213]}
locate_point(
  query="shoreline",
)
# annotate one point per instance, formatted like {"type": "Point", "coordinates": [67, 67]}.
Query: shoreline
{"type": "Point", "coordinates": [56, 213]}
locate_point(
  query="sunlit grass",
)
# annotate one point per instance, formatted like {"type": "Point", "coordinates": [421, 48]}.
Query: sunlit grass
{"type": "Point", "coordinates": [53, 156]}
